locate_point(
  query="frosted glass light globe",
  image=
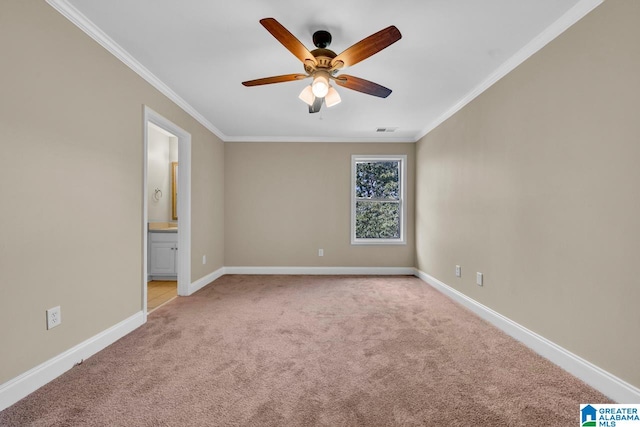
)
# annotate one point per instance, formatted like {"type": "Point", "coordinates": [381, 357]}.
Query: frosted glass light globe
{"type": "Point", "coordinates": [320, 86]}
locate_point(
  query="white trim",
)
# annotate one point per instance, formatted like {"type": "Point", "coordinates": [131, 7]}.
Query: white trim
{"type": "Point", "coordinates": [170, 277]}
{"type": "Point", "coordinates": [145, 211]}
{"type": "Point", "coordinates": [28, 382]}
{"type": "Point", "coordinates": [204, 281]}
{"type": "Point", "coordinates": [76, 17]}
{"type": "Point", "coordinates": [328, 271]}
{"type": "Point", "coordinates": [601, 380]}
{"type": "Point", "coordinates": [402, 159]}
{"type": "Point", "coordinates": [573, 15]}
{"type": "Point", "coordinates": [67, 10]}
{"type": "Point", "coordinates": [320, 139]}
{"type": "Point", "coordinates": [184, 211]}
{"type": "Point", "coordinates": [184, 201]}
{"type": "Point", "coordinates": [617, 389]}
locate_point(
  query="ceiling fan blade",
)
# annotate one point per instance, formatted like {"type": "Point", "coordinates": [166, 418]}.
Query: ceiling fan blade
{"type": "Point", "coordinates": [367, 47]}
{"type": "Point", "coordinates": [275, 79]}
{"type": "Point", "coordinates": [288, 40]}
{"type": "Point", "coordinates": [362, 85]}
{"type": "Point", "coordinates": [317, 104]}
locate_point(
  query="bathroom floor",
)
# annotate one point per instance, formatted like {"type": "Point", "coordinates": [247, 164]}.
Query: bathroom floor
{"type": "Point", "coordinates": [160, 292]}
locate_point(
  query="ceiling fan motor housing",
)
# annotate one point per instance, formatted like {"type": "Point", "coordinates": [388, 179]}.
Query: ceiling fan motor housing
{"type": "Point", "coordinates": [323, 58]}
{"type": "Point", "coordinates": [321, 39]}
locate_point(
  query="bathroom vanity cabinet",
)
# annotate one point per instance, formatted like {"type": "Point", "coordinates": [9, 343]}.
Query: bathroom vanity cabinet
{"type": "Point", "coordinates": [163, 253]}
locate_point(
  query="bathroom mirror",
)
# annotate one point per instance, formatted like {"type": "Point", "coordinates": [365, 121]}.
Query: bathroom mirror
{"type": "Point", "coordinates": [174, 190]}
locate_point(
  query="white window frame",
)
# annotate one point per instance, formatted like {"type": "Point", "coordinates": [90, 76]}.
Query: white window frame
{"type": "Point", "coordinates": [403, 198]}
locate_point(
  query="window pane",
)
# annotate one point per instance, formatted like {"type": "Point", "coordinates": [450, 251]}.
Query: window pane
{"type": "Point", "coordinates": [378, 180]}
{"type": "Point", "coordinates": [377, 220]}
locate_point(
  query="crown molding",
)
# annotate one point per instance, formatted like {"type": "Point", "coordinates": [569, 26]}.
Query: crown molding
{"type": "Point", "coordinates": [572, 16]}
{"type": "Point", "coordinates": [319, 139]}
{"type": "Point", "coordinates": [81, 21]}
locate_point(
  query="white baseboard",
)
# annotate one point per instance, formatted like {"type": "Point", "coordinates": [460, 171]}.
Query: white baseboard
{"type": "Point", "coordinates": [28, 382]}
{"type": "Point", "coordinates": [601, 380]}
{"type": "Point", "coordinates": [158, 277]}
{"type": "Point", "coordinates": [610, 385]}
{"type": "Point", "coordinates": [374, 271]}
{"type": "Point", "coordinates": [204, 281]}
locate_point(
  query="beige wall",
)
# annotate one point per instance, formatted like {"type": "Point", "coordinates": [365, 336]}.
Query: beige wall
{"type": "Point", "coordinates": [284, 201]}
{"type": "Point", "coordinates": [71, 125]}
{"type": "Point", "coordinates": [535, 184]}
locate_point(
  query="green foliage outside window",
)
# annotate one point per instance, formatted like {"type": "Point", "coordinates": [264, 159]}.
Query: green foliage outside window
{"type": "Point", "coordinates": [377, 190]}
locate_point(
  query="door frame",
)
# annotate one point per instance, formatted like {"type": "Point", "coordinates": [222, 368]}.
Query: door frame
{"type": "Point", "coordinates": [184, 204]}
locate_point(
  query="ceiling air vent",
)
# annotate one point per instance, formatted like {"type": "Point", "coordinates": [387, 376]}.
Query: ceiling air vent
{"type": "Point", "coordinates": [392, 129]}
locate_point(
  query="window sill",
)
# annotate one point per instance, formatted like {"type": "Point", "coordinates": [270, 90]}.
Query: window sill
{"type": "Point", "coordinates": [378, 242]}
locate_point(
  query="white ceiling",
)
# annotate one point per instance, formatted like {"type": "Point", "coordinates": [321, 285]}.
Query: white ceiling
{"type": "Point", "coordinates": [199, 51]}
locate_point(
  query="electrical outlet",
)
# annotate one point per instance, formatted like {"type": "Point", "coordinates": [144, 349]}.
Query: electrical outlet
{"type": "Point", "coordinates": [54, 317]}
{"type": "Point", "coordinates": [320, 252]}
{"type": "Point", "coordinates": [479, 279]}
{"type": "Point", "coordinates": [204, 259]}
{"type": "Point", "coordinates": [458, 271]}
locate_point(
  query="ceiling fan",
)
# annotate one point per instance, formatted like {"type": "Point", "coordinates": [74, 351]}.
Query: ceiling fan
{"type": "Point", "coordinates": [322, 64]}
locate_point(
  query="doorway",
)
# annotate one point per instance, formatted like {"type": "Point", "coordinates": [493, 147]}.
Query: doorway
{"type": "Point", "coordinates": [182, 247]}
{"type": "Point", "coordinates": [160, 292]}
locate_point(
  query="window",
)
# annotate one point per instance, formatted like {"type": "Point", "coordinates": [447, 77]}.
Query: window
{"type": "Point", "coordinates": [378, 193]}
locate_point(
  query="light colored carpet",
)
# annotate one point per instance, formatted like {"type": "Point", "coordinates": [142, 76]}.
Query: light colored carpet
{"type": "Point", "coordinates": [310, 351]}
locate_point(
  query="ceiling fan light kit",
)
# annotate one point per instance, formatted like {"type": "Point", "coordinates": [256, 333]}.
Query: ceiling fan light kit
{"type": "Point", "coordinates": [323, 64]}
{"type": "Point", "coordinates": [307, 95]}
{"type": "Point", "coordinates": [320, 85]}
{"type": "Point", "coordinates": [332, 98]}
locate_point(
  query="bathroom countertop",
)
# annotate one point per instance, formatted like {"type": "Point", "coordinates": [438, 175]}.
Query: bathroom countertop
{"type": "Point", "coordinates": [163, 227]}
